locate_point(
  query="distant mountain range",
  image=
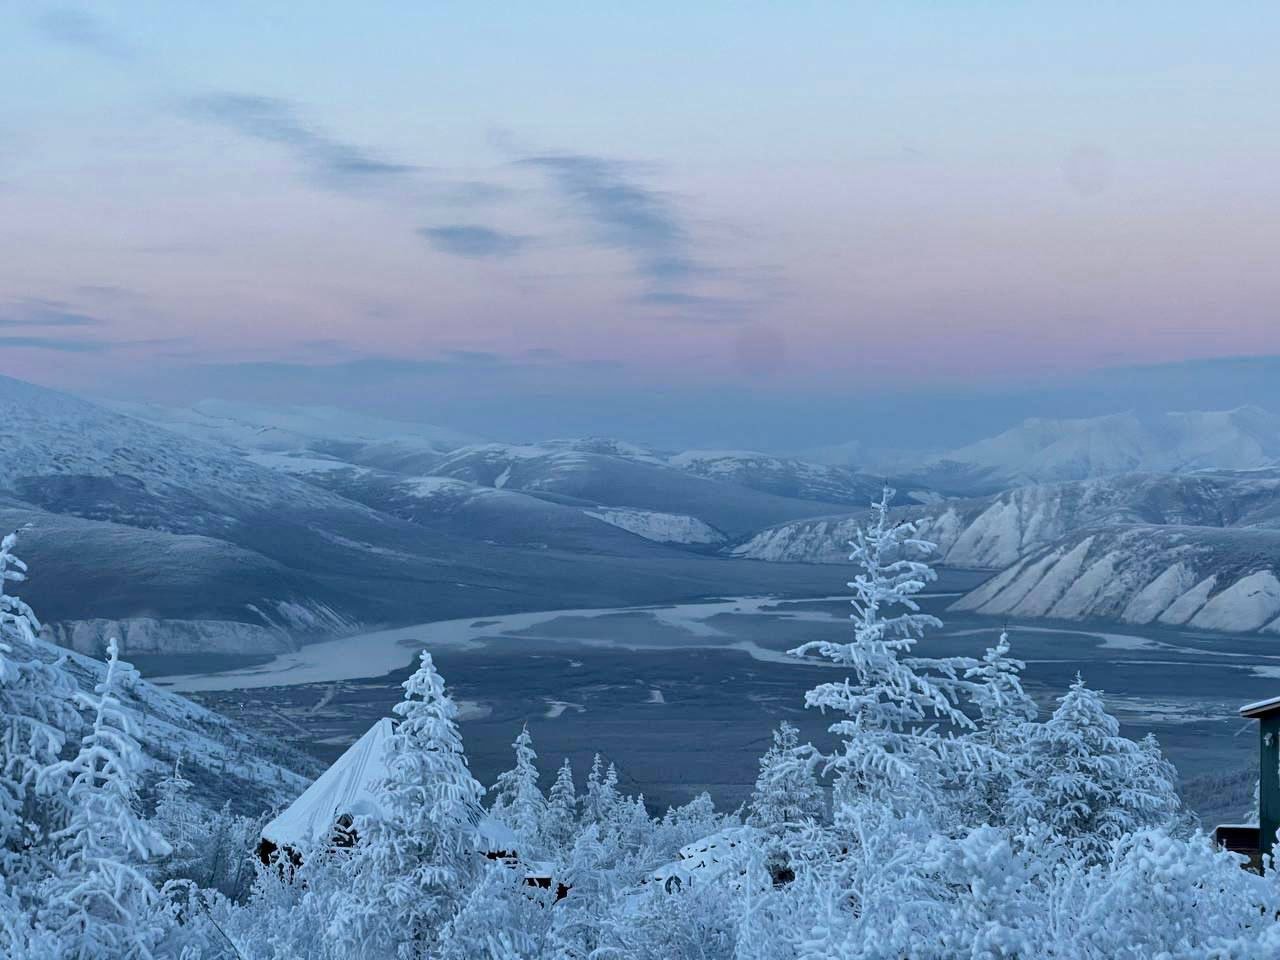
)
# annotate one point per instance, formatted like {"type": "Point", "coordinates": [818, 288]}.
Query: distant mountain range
{"type": "Point", "coordinates": [225, 536]}
{"type": "Point", "coordinates": [236, 529]}
{"type": "Point", "coordinates": [1047, 451]}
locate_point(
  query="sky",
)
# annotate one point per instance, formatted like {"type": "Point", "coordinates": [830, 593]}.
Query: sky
{"type": "Point", "coordinates": [766, 224]}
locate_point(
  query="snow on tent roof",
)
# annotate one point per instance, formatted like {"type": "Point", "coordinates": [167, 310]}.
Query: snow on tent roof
{"type": "Point", "coordinates": [346, 787]}
{"type": "Point", "coordinates": [350, 787]}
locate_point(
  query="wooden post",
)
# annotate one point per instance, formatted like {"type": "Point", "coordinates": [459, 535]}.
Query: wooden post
{"type": "Point", "coordinates": [1268, 779]}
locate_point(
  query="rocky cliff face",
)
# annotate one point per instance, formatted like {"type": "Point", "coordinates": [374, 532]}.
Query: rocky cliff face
{"type": "Point", "coordinates": [146, 635]}
{"type": "Point", "coordinates": [1206, 579]}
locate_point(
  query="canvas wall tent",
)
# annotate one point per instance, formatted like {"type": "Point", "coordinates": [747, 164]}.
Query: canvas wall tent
{"type": "Point", "coordinates": [324, 813]}
{"type": "Point", "coordinates": [346, 789]}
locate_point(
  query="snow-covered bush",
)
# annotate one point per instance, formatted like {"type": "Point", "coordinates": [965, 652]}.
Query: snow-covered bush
{"type": "Point", "coordinates": [1089, 784]}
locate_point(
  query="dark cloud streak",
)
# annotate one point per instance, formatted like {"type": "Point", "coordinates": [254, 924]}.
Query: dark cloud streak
{"type": "Point", "coordinates": [45, 313]}
{"type": "Point", "coordinates": [472, 241]}
{"type": "Point", "coordinates": [624, 215]}
{"type": "Point", "coordinates": [76, 28]}
{"type": "Point", "coordinates": [333, 163]}
{"type": "Point", "coordinates": [50, 343]}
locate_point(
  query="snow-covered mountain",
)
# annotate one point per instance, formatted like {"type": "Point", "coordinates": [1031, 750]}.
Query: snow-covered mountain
{"type": "Point", "coordinates": [993, 532]}
{"type": "Point", "coordinates": [175, 543]}
{"type": "Point", "coordinates": [1042, 451]}
{"type": "Point", "coordinates": [496, 515]}
{"type": "Point", "coordinates": [580, 474]}
{"type": "Point", "coordinates": [1225, 580]}
{"type": "Point", "coordinates": [248, 427]}
{"type": "Point", "coordinates": [783, 476]}
{"type": "Point", "coordinates": [1199, 550]}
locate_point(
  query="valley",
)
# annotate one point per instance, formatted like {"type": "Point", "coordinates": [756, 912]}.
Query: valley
{"type": "Point", "coordinates": [634, 682]}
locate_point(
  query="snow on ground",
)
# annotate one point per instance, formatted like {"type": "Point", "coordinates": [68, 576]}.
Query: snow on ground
{"type": "Point", "coordinates": [557, 707]}
{"type": "Point", "coordinates": [660, 527]}
{"type": "Point", "coordinates": [1160, 594]}
{"type": "Point", "coordinates": [303, 465]}
{"type": "Point", "coordinates": [1247, 604]}
{"type": "Point", "coordinates": [1185, 607]}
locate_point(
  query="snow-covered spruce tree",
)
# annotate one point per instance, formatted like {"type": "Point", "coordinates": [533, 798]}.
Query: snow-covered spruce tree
{"type": "Point", "coordinates": [891, 749]}
{"type": "Point", "coordinates": [1005, 715]}
{"type": "Point", "coordinates": [37, 713]}
{"type": "Point", "coordinates": [517, 800]}
{"type": "Point", "coordinates": [560, 818]}
{"type": "Point", "coordinates": [998, 692]}
{"type": "Point", "coordinates": [100, 903]}
{"type": "Point", "coordinates": [786, 791]}
{"type": "Point", "coordinates": [415, 862]}
{"type": "Point", "coordinates": [1087, 783]}
{"type": "Point", "coordinates": [602, 793]}
{"type": "Point", "coordinates": [184, 826]}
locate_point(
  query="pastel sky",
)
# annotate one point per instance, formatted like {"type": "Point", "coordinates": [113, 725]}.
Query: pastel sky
{"type": "Point", "coordinates": [451, 208]}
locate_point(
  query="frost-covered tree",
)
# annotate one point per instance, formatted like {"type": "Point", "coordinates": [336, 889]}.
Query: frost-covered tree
{"type": "Point", "coordinates": [1087, 783]}
{"type": "Point", "coordinates": [517, 799]}
{"type": "Point", "coordinates": [500, 918]}
{"type": "Point", "coordinates": [891, 746]}
{"type": "Point", "coordinates": [1005, 715]}
{"type": "Point", "coordinates": [997, 690]}
{"type": "Point", "coordinates": [561, 815]}
{"type": "Point", "coordinates": [100, 903]}
{"type": "Point", "coordinates": [602, 792]}
{"type": "Point", "coordinates": [37, 712]}
{"type": "Point", "coordinates": [786, 791]}
{"type": "Point", "coordinates": [184, 826]}
{"type": "Point", "coordinates": [416, 861]}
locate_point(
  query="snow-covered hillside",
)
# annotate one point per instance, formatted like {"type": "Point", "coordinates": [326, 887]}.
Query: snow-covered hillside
{"type": "Point", "coordinates": [576, 472]}
{"type": "Point", "coordinates": [993, 532]}
{"type": "Point", "coordinates": [224, 760]}
{"type": "Point", "coordinates": [1203, 578]}
{"type": "Point", "coordinates": [149, 635]}
{"type": "Point", "coordinates": [660, 527]}
{"type": "Point", "coordinates": [68, 455]}
{"type": "Point", "coordinates": [783, 476]}
{"type": "Point", "coordinates": [248, 427]}
{"type": "Point", "coordinates": [1041, 451]}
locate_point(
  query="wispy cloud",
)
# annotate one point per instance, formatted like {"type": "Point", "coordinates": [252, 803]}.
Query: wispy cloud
{"type": "Point", "coordinates": [649, 227]}
{"type": "Point", "coordinates": [44, 313]}
{"type": "Point", "coordinates": [470, 240]}
{"type": "Point", "coordinates": [697, 306]}
{"type": "Point", "coordinates": [76, 28]}
{"type": "Point", "coordinates": [334, 163]}
{"type": "Point", "coordinates": [52, 343]}
{"type": "Point", "coordinates": [623, 214]}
